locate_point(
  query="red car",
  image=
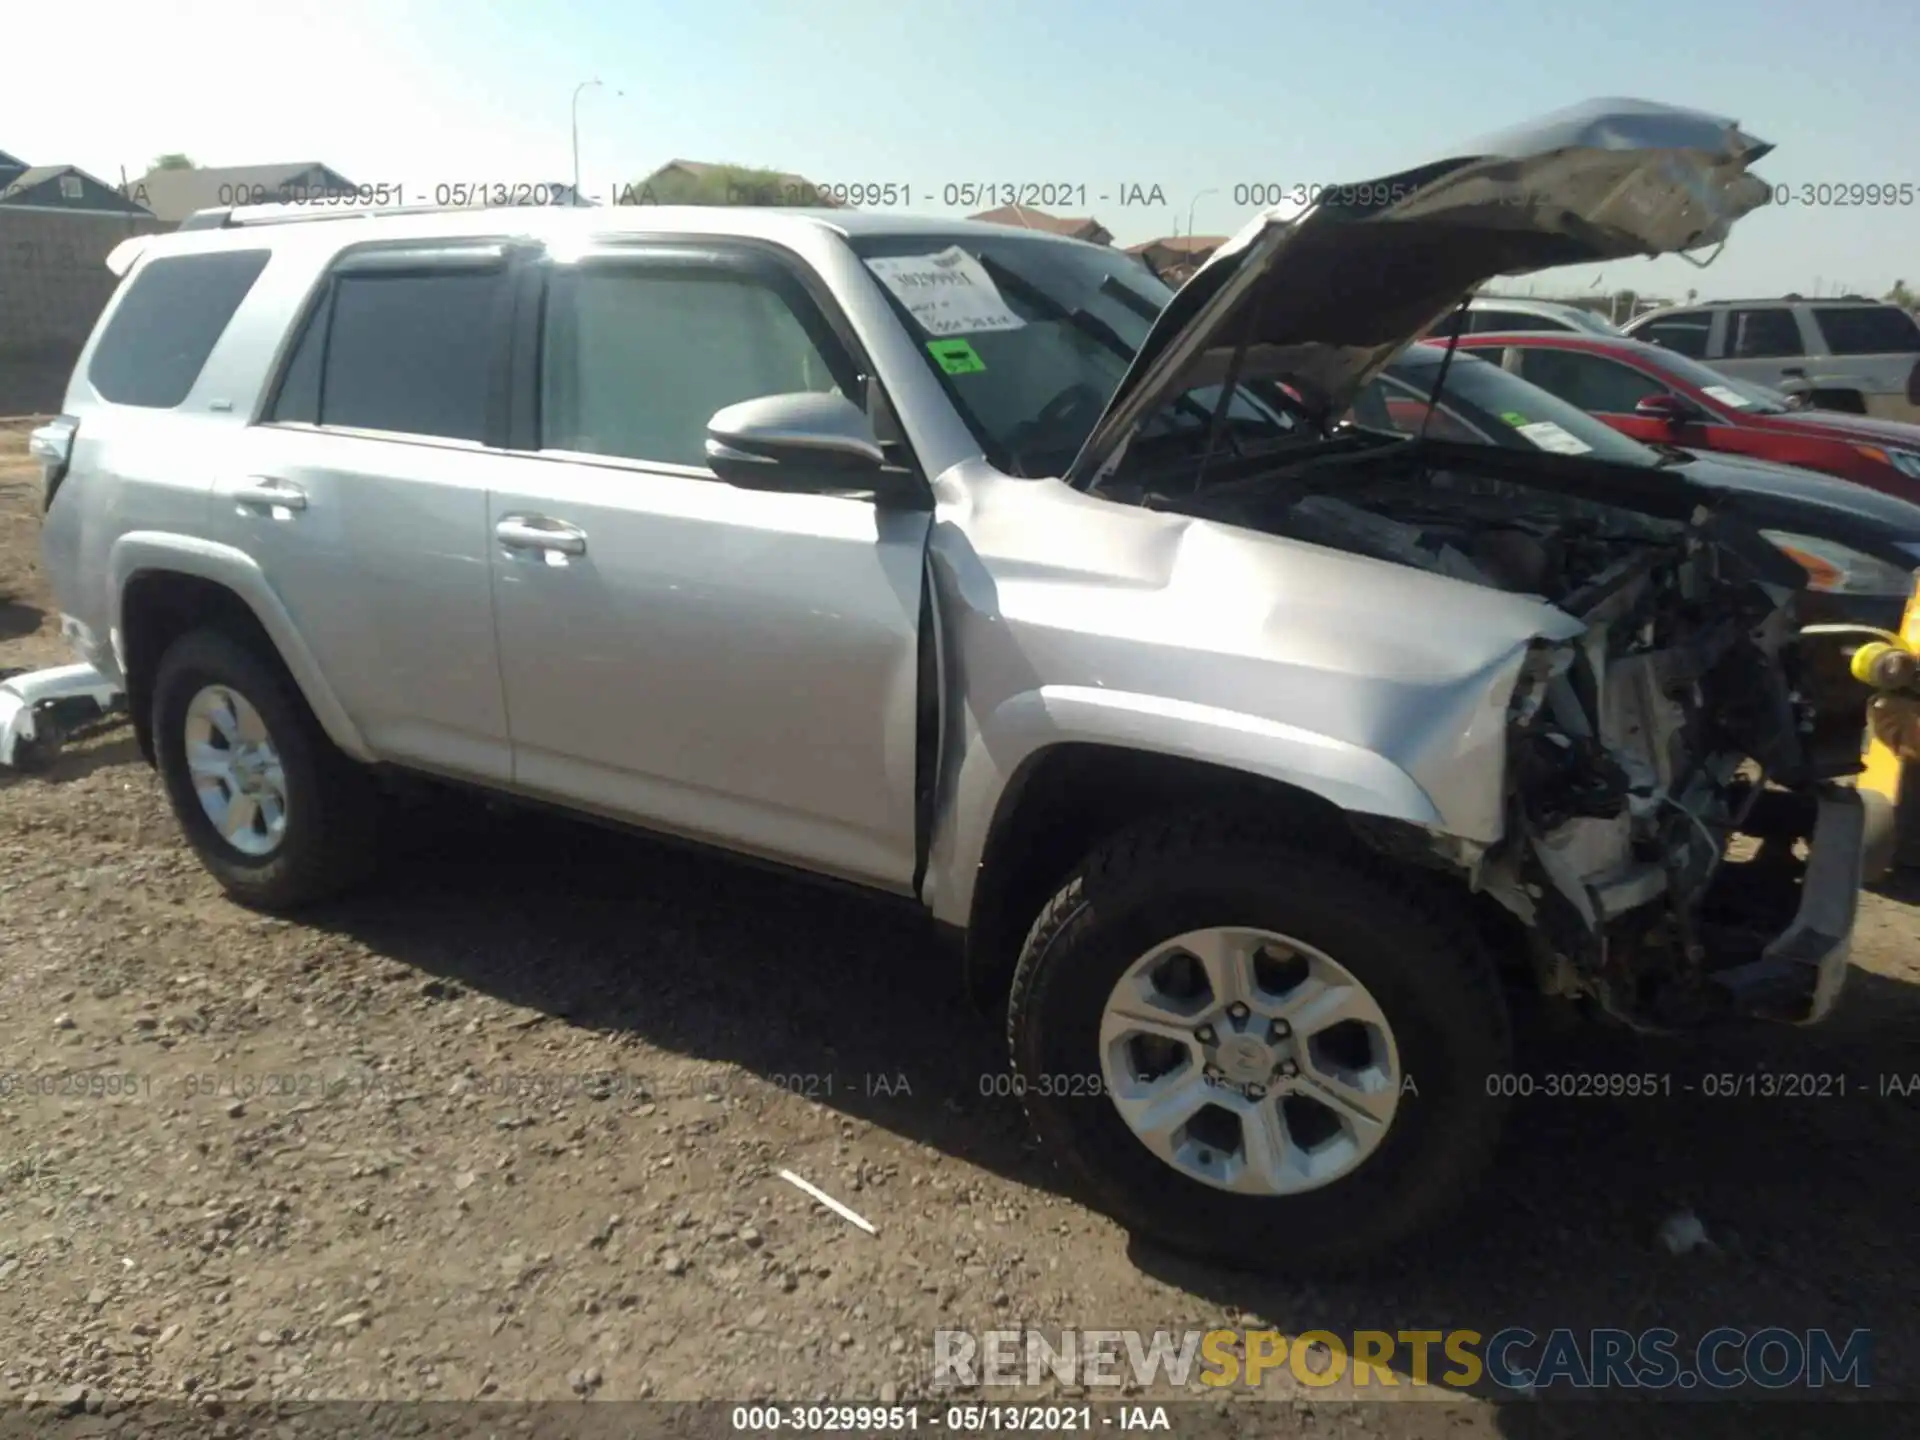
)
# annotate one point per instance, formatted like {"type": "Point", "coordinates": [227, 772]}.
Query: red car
{"type": "Point", "coordinates": [1658, 396]}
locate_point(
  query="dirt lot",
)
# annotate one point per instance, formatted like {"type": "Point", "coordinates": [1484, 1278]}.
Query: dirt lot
{"type": "Point", "coordinates": [508, 1126]}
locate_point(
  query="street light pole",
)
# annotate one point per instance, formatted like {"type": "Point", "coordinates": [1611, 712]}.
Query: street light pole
{"type": "Point", "coordinates": [1193, 202]}
{"type": "Point", "coordinates": [583, 85]}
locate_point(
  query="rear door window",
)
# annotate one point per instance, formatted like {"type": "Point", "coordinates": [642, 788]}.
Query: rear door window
{"type": "Point", "coordinates": [1867, 330]}
{"type": "Point", "coordinates": [167, 324]}
{"type": "Point", "coordinates": [1683, 334]}
{"type": "Point", "coordinates": [1763, 334]}
{"type": "Point", "coordinates": [410, 354]}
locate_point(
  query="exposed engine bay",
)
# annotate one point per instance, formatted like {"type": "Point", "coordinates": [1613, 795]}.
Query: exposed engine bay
{"type": "Point", "coordinates": [1636, 752]}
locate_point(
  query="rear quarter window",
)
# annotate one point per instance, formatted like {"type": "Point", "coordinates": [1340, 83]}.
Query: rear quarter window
{"type": "Point", "coordinates": [166, 325]}
{"type": "Point", "coordinates": [1867, 330]}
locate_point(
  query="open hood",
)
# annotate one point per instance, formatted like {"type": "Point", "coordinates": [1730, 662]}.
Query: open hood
{"type": "Point", "coordinates": [1321, 297]}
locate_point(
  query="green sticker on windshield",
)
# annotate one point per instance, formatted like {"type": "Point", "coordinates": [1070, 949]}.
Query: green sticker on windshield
{"type": "Point", "coordinates": [956, 357]}
{"type": "Point", "coordinates": [1514, 417]}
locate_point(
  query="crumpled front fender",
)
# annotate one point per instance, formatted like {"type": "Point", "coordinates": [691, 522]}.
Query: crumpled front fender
{"type": "Point", "coordinates": [1355, 778]}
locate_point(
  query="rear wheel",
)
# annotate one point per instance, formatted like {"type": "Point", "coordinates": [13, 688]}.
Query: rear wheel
{"type": "Point", "coordinates": [273, 810]}
{"type": "Point", "coordinates": [1258, 1052]}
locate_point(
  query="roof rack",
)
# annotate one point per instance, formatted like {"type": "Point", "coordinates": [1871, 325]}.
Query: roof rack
{"type": "Point", "coordinates": [1795, 298]}
{"type": "Point", "coordinates": [229, 217]}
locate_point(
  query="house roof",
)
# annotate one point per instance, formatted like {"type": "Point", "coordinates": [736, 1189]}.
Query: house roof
{"type": "Point", "coordinates": [1180, 244]}
{"type": "Point", "coordinates": [1024, 217]}
{"type": "Point", "coordinates": [39, 175]}
{"type": "Point", "coordinates": [11, 164]}
{"type": "Point", "coordinates": [32, 178]}
{"type": "Point", "coordinates": [176, 194]}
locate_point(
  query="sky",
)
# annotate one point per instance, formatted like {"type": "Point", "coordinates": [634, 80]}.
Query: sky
{"type": "Point", "coordinates": [1138, 112]}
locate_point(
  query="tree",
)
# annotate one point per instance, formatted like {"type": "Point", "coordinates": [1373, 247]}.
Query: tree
{"type": "Point", "coordinates": [173, 160]}
{"type": "Point", "coordinates": [721, 185]}
{"type": "Point", "coordinates": [1903, 297]}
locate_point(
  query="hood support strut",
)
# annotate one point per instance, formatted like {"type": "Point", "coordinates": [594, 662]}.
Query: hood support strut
{"type": "Point", "coordinates": [1229, 386]}
{"type": "Point", "coordinates": [1440, 377]}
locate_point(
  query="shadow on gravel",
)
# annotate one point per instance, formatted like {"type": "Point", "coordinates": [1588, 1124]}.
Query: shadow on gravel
{"type": "Point", "coordinates": [1902, 885]}
{"type": "Point", "coordinates": [18, 618]}
{"type": "Point", "coordinates": [1807, 1194]}
{"type": "Point", "coordinates": [79, 757]}
{"type": "Point", "coordinates": [823, 991]}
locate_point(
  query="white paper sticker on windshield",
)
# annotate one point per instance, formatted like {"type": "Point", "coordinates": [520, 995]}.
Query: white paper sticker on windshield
{"type": "Point", "coordinates": [1726, 396]}
{"type": "Point", "coordinates": [1549, 436]}
{"type": "Point", "coordinates": [947, 294]}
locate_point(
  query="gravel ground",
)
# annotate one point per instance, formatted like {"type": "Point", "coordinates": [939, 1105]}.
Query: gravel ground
{"type": "Point", "coordinates": [508, 1126]}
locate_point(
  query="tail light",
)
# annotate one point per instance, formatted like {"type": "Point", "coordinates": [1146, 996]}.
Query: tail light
{"type": "Point", "coordinates": [52, 446]}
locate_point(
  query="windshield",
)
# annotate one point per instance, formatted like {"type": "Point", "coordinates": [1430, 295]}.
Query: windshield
{"type": "Point", "coordinates": [1490, 405]}
{"type": "Point", "coordinates": [1039, 343]}
{"type": "Point", "coordinates": [1728, 390]}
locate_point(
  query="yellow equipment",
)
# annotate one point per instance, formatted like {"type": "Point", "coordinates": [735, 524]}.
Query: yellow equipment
{"type": "Point", "coordinates": [1891, 666]}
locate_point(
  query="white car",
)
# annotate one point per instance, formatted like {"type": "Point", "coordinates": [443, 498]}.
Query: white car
{"type": "Point", "coordinates": [1489, 313]}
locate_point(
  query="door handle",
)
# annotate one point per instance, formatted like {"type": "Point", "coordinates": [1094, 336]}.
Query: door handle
{"type": "Point", "coordinates": [536, 532]}
{"type": "Point", "coordinates": [1798, 371]}
{"type": "Point", "coordinates": [265, 490]}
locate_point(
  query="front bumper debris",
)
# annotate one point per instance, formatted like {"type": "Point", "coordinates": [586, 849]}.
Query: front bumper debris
{"type": "Point", "coordinates": [39, 707]}
{"type": "Point", "coordinates": [1799, 975]}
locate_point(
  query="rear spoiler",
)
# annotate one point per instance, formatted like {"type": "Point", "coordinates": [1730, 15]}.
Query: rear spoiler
{"type": "Point", "coordinates": [121, 258]}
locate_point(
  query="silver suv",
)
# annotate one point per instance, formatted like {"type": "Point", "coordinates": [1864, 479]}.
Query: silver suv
{"type": "Point", "coordinates": [1855, 355]}
{"type": "Point", "coordinates": [1245, 753]}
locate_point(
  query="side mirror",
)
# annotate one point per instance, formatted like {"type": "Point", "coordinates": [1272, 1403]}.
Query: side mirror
{"type": "Point", "coordinates": [1668, 409]}
{"type": "Point", "coordinates": [795, 442]}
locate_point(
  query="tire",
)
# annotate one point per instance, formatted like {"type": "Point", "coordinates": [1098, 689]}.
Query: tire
{"type": "Point", "coordinates": [1403, 939]}
{"type": "Point", "coordinates": [330, 810]}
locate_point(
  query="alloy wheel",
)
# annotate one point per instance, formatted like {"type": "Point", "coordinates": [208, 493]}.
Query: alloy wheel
{"type": "Point", "coordinates": [1250, 1061]}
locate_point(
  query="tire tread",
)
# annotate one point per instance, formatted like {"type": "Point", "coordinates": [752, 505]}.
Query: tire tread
{"type": "Point", "coordinates": [1131, 858]}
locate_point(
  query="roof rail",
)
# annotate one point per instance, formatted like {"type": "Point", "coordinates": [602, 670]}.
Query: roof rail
{"type": "Point", "coordinates": [1794, 297]}
{"type": "Point", "coordinates": [229, 217]}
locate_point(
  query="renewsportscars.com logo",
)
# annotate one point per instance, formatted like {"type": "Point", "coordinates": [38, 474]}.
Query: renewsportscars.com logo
{"type": "Point", "coordinates": [1516, 1359]}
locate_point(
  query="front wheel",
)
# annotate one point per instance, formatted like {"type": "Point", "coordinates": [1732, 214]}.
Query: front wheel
{"type": "Point", "coordinates": [1257, 1051]}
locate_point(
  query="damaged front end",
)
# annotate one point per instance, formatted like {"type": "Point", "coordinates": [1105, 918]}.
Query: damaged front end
{"type": "Point", "coordinates": [1673, 841]}
{"type": "Point", "coordinates": [1675, 851]}
{"type": "Point", "coordinates": [1639, 753]}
